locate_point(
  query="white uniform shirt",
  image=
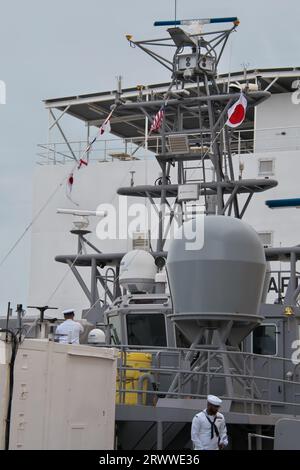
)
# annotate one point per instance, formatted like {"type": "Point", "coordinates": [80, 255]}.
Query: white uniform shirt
{"type": "Point", "coordinates": [201, 431]}
{"type": "Point", "coordinates": [68, 332]}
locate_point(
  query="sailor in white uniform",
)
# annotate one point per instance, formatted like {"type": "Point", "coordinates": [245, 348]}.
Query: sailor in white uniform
{"type": "Point", "coordinates": [209, 428]}
{"type": "Point", "coordinates": [69, 331]}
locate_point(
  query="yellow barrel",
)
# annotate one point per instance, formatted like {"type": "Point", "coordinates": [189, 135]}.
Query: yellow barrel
{"type": "Point", "coordinates": [135, 360]}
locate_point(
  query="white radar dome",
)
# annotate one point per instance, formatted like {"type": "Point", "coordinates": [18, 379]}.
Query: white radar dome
{"type": "Point", "coordinates": [137, 271]}
{"type": "Point", "coordinates": [96, 336]}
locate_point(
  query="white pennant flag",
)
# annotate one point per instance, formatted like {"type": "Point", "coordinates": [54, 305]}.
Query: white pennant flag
{"type": "Point", "coordinates": [105, 127]}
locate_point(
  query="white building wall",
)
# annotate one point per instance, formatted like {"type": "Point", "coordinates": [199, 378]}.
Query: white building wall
{"type": "Point", "coordinates": [277, 139]}
{"type": "Point", "coordinates": [278, 124]}
{"type": "Point", "coordinates": [284, 223]}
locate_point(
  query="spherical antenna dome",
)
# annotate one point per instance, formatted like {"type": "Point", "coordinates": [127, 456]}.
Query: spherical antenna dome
{"type": "Point", "coordinates": [96, 336]}
{"type": "Point", "coordinates": [137, 271]}
{"type": "Point", "coordinates": [222, 273]}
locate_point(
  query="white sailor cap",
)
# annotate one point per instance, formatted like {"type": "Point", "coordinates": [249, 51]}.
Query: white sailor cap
{"type": "Point", "coordinates": [69, 310]}
{"type": "Point", "coordinates": [213, 400]}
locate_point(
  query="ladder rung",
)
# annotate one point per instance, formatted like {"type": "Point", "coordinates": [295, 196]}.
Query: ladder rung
{"type": "Point", "coordinates": [194, 181]}
{"type": "Point", "coordinates": [193, 167]}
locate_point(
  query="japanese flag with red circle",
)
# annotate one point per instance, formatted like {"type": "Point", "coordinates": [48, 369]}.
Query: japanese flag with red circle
{"type": "Point", "coordinates": [237, 112]}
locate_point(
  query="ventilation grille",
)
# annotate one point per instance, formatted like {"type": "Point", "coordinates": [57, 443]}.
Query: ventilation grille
{"type": "Point", "coordinates": [266, 238]}
{"type": "Point", "coordinates": [141, 241]}
{"type": "Point", "coordinates": [178, 144]}
{"type": "Point", "coordinates": [266, 167]}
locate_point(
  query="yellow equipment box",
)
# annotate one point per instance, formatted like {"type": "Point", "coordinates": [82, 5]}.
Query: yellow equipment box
{"type": "Point", "coordinates": [135, 360]}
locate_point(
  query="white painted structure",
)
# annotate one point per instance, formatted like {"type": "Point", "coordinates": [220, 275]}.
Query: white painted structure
{"type": "Point", "coordinates": [64, 397]}
{"type": "Point", "coordinates": [5, 352]}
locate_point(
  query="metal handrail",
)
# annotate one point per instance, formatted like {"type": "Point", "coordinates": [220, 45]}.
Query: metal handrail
{"type": "Point", "coordinates": [261, 436]}
{"type": "Point", "coordinates": [204, 396]}
{"type": "Point", "coordinates": [187, 373]}
{"type": "Point", "coordinates": [138, 347]}
{"type": "Point", "coordinates": [213, 374]}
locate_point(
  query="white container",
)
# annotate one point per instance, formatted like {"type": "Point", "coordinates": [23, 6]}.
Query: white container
{"type": "Point", "coordinates": [64, 397]}
{"type": "Point", "coordinates": [4, 387]}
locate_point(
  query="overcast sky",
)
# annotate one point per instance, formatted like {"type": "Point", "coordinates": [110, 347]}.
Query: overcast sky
{"type": "Point", "coordinates": [65, 47]}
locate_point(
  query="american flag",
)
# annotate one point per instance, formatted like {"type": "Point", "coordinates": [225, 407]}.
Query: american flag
{"type": "Point", "coordinates": [158, 119]}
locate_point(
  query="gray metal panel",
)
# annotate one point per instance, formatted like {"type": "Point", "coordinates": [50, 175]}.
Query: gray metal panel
{"type": "Point", "coordinates": [102, 259]}
{"type": "Point", "coordinates": [244, 186]}
{"type": "Point", "coordinates": [287, 434]}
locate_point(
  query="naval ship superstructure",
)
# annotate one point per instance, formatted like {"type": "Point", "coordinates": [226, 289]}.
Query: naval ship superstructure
{"type": "Point", "coordinates": [185, 320]}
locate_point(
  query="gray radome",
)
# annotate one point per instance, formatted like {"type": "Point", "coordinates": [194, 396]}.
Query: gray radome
{"type": "Point", "coordinates": [225, 275]}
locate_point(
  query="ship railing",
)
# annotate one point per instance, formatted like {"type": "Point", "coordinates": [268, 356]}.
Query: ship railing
{"type": "Point", "coordinates": [107, 150]}
{"type": "Point", "coordinates": [255, 383]}
{"type": "Point", "coordinates": [243, 141]}
{"type": "Point", "coordinates": [103, 150]}
{"type": "Point", "coordinates": [112, 149]}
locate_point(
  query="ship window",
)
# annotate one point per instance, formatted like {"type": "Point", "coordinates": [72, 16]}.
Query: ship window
{"type": "Point", "coordinates": [264, 340]}
{"type": "Point", "coordinates": [115, 329]}
{"type": "Point", "coordinates": [266, 167]}
{"type": "Point", "coordinates": [266, 238]}
{"type": "Point", "coordinates": [146, 329]}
